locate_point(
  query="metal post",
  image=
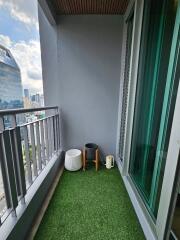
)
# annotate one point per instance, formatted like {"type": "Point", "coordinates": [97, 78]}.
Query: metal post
{"type": "Point", "coordinates": [38, 146]}
{"type": "Point", "coordinates": [8, 157]}
{"type": "Point", "coordinates": [42, 142]}
{"type": "Point", "coordinates": [27, 155]}
{"type": "Point", "coordinates": [33, 150]}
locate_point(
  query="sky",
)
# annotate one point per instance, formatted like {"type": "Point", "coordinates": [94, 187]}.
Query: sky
{"type": "Point", "coordinates": [19, 32]}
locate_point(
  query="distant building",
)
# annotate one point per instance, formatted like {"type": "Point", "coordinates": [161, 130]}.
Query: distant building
{"type": "Point", "coordinates": [27, 102]}
{"type": "Point", "coordinates": [27, 99]}
{"type": "Point", "coordinates": [42, 100]}
{"type": "Point", "coordinates": [33, 101]}
{"type": "Point", "coordinates": [10, 81]}
{"type": "Point", "coordinates": [35, 98]}
{"type": "Point", "coordinates": [11, 94]}
{"type": "Point", "coordinates": [26, 93]}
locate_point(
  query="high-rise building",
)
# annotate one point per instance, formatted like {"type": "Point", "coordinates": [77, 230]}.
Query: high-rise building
{"type": "Point", "coordinates": [35, 98]}
{"type": "Point", "coordinates": [11, 93]}
{"type": "Point", "coordinates": [26, 93]}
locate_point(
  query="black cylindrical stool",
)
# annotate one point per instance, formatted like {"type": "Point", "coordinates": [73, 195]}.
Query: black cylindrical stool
{"type": "Point", "coordinates": [91, 153]}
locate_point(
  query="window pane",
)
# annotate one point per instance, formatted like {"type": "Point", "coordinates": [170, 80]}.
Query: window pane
{"type": "Point", "coordinates": [158, 26]}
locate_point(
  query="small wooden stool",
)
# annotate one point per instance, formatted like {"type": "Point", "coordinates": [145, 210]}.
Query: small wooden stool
{"type": "Point", "coordinates": [96, 160]}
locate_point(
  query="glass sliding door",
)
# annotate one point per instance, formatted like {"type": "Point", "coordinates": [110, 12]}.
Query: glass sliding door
{"type": "Point", "coordinates": [154, 104]}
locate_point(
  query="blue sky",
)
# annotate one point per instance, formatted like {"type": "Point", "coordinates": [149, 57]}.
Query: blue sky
{"type": "Point", "coordinates": [15, 29]}
{"type": "Point", "coordinates": [19, 32]}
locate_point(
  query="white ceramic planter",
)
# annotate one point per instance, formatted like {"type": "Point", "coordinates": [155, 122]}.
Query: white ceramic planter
{"type": "Point", "coordinates": [73, 160]}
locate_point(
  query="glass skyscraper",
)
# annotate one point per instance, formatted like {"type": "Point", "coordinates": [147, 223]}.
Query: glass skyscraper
{"type": "Point", "coordinates": [11, 95]}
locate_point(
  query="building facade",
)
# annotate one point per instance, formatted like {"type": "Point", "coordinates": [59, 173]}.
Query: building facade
{"type": "Point", "coordinates": [11, 93]}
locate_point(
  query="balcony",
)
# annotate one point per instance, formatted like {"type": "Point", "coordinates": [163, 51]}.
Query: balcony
{"type": "Point", "coordinates": [31, 158]}
{"type": "Point", "coordinates": [112, 67]}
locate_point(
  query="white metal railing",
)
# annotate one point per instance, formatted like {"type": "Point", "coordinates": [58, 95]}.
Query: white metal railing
{"type": "Point", "coordinates": [25, 150]}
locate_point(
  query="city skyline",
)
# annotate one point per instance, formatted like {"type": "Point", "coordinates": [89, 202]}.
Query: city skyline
{"type": "Point", "coordinates": [32, 100]}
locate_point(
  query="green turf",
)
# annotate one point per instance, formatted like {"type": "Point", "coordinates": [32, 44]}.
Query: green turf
{"type": "Point", "coordinates": [90, 206]}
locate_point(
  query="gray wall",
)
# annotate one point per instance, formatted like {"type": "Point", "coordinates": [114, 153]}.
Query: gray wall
{"type": "Point", "coordinates": [88, 63]}
{"type": "Point", "coordinates": [48, 38]}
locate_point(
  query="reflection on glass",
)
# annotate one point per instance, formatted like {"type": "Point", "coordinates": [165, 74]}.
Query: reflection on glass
{"type": "Point", "coordinates": [147, 158]}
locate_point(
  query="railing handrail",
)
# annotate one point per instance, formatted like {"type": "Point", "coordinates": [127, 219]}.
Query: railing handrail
{"type": "Point", "coordinates": [35, 121]}
{"type": "Point", "coordinates": [25, 110]}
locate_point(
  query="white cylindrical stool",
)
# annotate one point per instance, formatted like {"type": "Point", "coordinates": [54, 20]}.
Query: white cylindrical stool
{"type": "Point", "coordinates": [73, 160]}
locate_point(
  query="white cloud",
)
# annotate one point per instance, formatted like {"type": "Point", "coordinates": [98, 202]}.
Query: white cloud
{"type": "Point", "coordinates": [28, 57]}
{"type": "Point", "coordinates": [5, 41]}
{"type": "Point", "coordinates": [24, 11]}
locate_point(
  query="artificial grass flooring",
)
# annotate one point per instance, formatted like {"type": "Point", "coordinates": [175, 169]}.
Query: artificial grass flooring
{"type": "Point", "coordinates": [90, 205]}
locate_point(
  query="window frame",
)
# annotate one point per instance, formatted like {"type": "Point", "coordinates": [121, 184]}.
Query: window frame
{"type": "Point", "coordinates": [125, 79]}
{"type": "Point", "coordinates": [165, 210]}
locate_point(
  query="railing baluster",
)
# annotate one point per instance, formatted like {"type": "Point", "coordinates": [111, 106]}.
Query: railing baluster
{"type": "Point", "coordinates": [8, 154]}
{"type": "Point", "coordinates": [55, 133]}
{"type": "Point", "coordinates": [4, 172]}
{"type": "Point", "coordinates": [20, 164]}
{"type": "Point", "coordinates": [1, 124]}
{"type": "Point", "coordinates": [33, 150]}
{"type": "Point", "coordinates": [60, 131]}
{"type": "Point", "coordinates": [52, 139]}
{"type": "Point", "coordinates": [49, 137]}
{"type": "Point", "coordinates": [46, 139]}
{"type": "Point", "coordinates": [18, 159]}
{"type": "Point", "coordinates": [42, 143]}
{"type": "Point", "coordinates": [3, 166]}
{"type": "Point", "coordinates": [52, 136]}
{"type": "Point", "coordinates": [58, 127]}
{"type": "Point", "coordinates": [57, 148]}
{"type": "Point", "coordinates": [38, 146]}
{"type": "Point", "coordinates": [15, 162]}
{"type": "Point", "coordinates": [27, 154]}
